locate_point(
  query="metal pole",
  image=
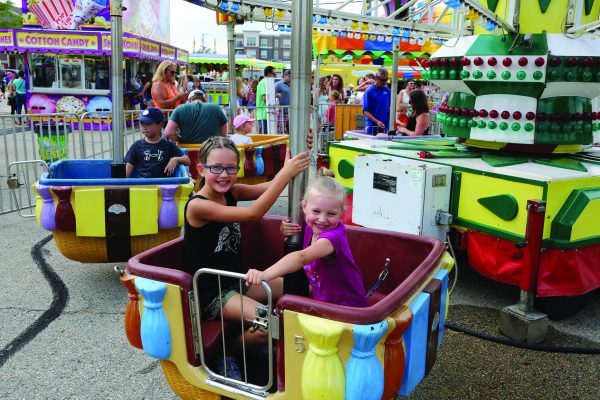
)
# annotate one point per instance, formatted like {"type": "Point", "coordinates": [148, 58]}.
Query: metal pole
{"type": "Point", "coordinates": [231, 62]}
{"type": "Point", "coordinates": [116, 51]}
{"type": "Point", "coordinates": [532, 252]}
{"type": "Point", "coordinates": [394, 86]}
{"type": "Point", "coordinates": [302, 12]}
{"type": "Point", "coordinates": [316, 89]}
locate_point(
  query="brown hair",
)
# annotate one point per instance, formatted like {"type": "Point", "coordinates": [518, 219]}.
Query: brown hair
{"type": "Point", "coordinates": [212, 143]}
{"type": "Point", "coordinates": [418, 102]}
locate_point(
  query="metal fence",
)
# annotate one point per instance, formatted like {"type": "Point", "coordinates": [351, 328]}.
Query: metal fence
{"type": "Point", "coordinates": [50, 137]}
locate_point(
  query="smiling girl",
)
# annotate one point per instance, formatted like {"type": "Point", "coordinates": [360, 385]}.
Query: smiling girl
{"type": "Point", "coordinates": [327, 260]}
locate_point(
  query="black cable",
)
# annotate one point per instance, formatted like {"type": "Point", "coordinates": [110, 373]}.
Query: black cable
{"type": "Point", "coordinates": [526, 346]}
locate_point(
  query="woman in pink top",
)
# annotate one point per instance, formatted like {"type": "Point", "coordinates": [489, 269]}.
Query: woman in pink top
{"type": "Point", "coordinates": [164, 88]}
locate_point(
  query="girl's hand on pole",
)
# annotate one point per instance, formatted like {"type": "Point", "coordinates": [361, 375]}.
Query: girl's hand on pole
{"type": "Point", "coordinates": [289, 229]}
{"type": "Point", "coordinates": [294, 166]}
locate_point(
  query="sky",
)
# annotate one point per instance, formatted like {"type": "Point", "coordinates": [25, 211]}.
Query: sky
{"type": "Point", "coordinates": [186, 16]}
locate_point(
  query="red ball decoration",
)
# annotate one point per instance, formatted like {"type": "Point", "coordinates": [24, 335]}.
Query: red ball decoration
{"type": "Point", "coordinates": [578, 116]}
{"type": "Point", "coordinates": [588, 61]}
{"type": "Point", "coordinates": [493, 114]}
{"type": "Point", "coordinates": [478, 61]}
{"type": "Point", "coordinates": [483, 113]}
{"type": "Point", "coordinates": [434, 62]}
{"type": "Point", "coordinates": [453, 62]}
{"type": "Point", "coordinates": [587, 116]}
{"type": "Point", "coordinates": [443, 62]}
{"type": "Point", "coordinates": [572, 61]}
{"type": "Point", "coordinates": [542, 117]}
{"type": "Point", "coordinates": [505, 115]}
{"type": "Point", "coordinates": [517, 115]}
{"type": "Point", "coordinates": [465, 61]}
{"type": "Point", "coordinates": [523, 61]}
{"type": "Point", "coordinates": [595, 115]}
{"type": "Point", "coordinates": [555, 62]}
{"type": "Point", "coordinates": [539, 61]}
{"type": "Point", "coordinates": [492, 61]}
{"type": "Point", "coordinates": [507, 62]}
{"type": "Point", "coordinates": [464, 112]}
{"type": "Point", "coordinates": [530, 115]}
{"type": "Point", "coordinates": [473, 112]}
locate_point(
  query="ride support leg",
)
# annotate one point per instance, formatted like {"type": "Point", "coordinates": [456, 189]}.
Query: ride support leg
{"type": "Point", "coordinates": [520, 321]}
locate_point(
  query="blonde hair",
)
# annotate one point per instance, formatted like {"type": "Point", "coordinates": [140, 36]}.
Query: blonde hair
{"type": "Point", "coordinates": [325, 183]}
{"type": "Point", "coordinates": [159, 75]}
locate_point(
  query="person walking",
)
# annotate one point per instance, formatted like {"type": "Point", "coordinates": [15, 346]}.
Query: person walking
{"type": "Point", "coordinates": [21, 94]}
{"type": "Point", "coordinates": [376, 104]}
{"type": "Point", "coordinates": [282, 94]}
{"type": "Point", "coordinates": [261, 100]}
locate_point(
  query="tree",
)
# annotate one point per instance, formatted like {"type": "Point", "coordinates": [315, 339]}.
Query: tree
{"type": "Point", "coordinates": [8, 17]}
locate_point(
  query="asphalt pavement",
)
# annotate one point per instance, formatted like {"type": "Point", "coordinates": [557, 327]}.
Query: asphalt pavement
{"type": "Point", "coordinates": [62, 335]}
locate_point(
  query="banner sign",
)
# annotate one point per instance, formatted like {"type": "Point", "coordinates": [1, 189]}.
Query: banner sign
{"type": "Point", "coordinates": [150, 48]}
{"type": "Point", "coordinates": [79, 41]}
{"type": "Point", "coordinates": [167, 52]}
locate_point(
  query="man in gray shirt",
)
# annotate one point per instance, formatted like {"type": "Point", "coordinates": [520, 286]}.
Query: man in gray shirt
{"type": "Point", "coordinates": [282, 93]}
{"type": "Point", "coordinates": [196, 121]}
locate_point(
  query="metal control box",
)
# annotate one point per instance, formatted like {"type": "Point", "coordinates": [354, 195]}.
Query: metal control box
{"type": "Point", "coordinates": [401, 195]}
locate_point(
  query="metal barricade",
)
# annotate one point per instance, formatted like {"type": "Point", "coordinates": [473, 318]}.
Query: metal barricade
{"type": "Point", "coordinates": [47, 137]}
{"type": "Point", "coordinates": [21, 177]}
{"type": "Point", "coordinates": [264, 320]}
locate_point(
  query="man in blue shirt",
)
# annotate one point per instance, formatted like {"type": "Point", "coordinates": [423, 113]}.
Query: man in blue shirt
{"type": "Point", "coordinates": [376, 104]}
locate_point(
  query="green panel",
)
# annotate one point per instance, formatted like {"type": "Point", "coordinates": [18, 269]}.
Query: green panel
{"type": "Point", "coordinates": [432, 141]}
{"type": "Point", "coordinates": [496, 160]}
{"type": "Point", "coordinates": [562, 225]}
{"type": "Point", "coordinates": [423, 147]}
{"type": "Point", "coordinates": [565, 163]}
{"type": "Point", "coordinates": [492, 45]}
{"type": "Point", "coordinates": [588, 6]}
{"type": "Point", "coordinates": [461, 100]}
{"type": "Point", "coordinates": [504, 206]}
{"type": "Point", "coordinates": [454, 154]}
{"type": "Point", "coordinates": [587, 157]}
{"type": "Point", "coordinates": [346, 169]}
{"type": "Point", "coordinates": [492, 4]}
{"type": "Point", "coordinates": [455, 193]}
{"type": "Point", "coordinates": [544, 5]}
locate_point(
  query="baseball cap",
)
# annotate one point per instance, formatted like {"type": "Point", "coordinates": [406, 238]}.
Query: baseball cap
{"type": "Point", "coordinates": [241, 119]}
{"type": "Point", "coordinates": [195, 93]}
{"type": "Point", "coordinates": [152, 115]}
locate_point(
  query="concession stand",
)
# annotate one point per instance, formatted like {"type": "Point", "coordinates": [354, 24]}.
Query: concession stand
{"type": "Point", "coordinates": [67, 67]}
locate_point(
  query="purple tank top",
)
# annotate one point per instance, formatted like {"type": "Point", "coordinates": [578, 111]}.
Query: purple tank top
{"type": "Point", "coordinates": [335, 279]}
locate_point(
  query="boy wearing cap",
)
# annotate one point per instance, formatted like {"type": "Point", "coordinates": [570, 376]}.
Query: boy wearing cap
{"type": "Point", "coordinates": [153, 156]}
{"type": "Point", "coordinates": [243, 125]}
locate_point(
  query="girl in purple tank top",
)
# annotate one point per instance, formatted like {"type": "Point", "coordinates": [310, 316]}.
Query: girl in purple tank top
{"type": "Point", "coordinates": [326, 257]}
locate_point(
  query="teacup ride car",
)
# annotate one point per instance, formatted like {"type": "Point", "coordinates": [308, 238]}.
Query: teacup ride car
{"type": "Point", "coordinates": [259, 161]}
{"type": "Point", "coordinates": [323, 350]}
{"type": "Point", "coordinates": [96, 218]}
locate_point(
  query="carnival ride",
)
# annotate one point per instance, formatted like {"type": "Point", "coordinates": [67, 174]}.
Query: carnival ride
{"type": "Point", "coordinates": [336, 352]}
{"type": "Point", "coordinates": [96, 216]}
{"type": "Point", "coordinates": [323, 350]}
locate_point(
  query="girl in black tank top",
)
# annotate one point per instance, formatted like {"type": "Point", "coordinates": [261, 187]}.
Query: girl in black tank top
{"type": "Point", "coordinates": [212, 231]}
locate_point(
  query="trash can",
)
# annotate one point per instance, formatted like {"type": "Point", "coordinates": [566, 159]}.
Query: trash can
{"type": "Point", "coordinates": [52, 141]}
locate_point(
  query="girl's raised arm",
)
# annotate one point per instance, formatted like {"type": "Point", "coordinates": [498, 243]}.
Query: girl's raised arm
{"type": "Point", "coordinates": [199, 211]}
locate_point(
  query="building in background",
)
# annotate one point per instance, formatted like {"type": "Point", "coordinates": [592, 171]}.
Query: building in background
{"type": "Point", "coordinates": [264, 46]}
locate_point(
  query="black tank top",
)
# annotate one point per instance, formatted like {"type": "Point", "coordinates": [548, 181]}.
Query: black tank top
{"type": "Point", "coordinates": [216, 245]}
{"type": "Point", "coordinates": [412, 124]}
